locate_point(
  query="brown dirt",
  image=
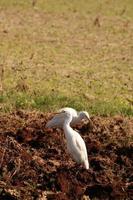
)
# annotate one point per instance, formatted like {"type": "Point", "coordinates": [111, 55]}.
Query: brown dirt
{"type": "Point", "coordinates": [34, 162]}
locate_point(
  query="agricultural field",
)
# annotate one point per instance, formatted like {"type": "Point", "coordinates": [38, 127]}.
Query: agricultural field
{"type": "Point", "coordinates": [35, 164]}
{"type": "Point", "coordinates": [62, 53]}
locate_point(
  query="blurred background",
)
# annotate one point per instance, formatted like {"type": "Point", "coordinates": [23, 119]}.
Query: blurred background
{"type": "Point", "coordinates": [57, 53]}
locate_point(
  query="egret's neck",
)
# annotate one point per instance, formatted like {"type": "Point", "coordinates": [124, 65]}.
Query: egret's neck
{"type": "Point", "coordinates": [67, 128]}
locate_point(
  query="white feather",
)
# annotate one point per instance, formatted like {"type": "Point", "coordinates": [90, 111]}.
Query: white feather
{"type": "Point", "coordinates": [75, 144]}
{"type": "Point", "coordinates": [58, 120]}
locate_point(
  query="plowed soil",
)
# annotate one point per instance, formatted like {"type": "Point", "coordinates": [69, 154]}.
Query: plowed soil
{"type": "Point", "coordinates": [35, 164]}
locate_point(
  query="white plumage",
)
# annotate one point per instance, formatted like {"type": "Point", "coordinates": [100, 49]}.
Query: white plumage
{"type": "Point", "coordinates": [75, 144]}
{"type": "Point", "coordinates": [58, 120]}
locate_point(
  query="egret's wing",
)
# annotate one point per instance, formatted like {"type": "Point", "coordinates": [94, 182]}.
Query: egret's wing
{"type": "Point", "coordinates": [78, 144]}
{"type": "Point", "coordinates": [81, 145]}
{"type": "Point", "coordinates": [57, 121]}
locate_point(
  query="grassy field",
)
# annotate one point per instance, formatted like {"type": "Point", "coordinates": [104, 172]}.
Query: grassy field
{"type": "Point", "coordinates": [67, 53]}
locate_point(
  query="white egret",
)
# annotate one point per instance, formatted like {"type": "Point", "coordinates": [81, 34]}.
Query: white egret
{"type": "Point", "coordinates": [58, 120]}
{"type": "Point", "coordinates": [75, 144]}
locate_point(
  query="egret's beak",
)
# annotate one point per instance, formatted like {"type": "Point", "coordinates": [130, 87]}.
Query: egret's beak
{"type": "Point", "coordinates": [56, 113]}
{"type": "Point", "coordinates": [91, 122]}
{"type": "Point", "coordinates": [88, 118]}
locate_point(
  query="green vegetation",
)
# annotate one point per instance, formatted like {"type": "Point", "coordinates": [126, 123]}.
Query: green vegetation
{"type": "Point", "coordinates": [67, 53]}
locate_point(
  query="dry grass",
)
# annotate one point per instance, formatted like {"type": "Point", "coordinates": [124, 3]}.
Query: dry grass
{"type": "Point", "coordinates": [67, 53]}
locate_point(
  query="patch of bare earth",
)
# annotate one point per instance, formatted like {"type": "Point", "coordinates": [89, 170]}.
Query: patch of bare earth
{"type": "Point", "coordinates": [34, 162]}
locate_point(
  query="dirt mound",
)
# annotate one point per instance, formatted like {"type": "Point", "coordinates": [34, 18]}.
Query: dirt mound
{"type": "Point", "coordinates": [35, 165]}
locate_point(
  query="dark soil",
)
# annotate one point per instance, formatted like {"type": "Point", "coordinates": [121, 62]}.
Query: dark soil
{"type": "Point", "coordinates": [35, 164]}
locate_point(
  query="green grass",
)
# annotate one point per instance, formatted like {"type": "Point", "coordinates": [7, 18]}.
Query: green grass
{"type": "Point", "coordinates": [54, 55]}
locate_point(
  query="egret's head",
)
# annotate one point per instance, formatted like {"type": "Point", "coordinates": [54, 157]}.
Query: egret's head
{"type": "Point", "coordinates": [84, 115]}
{"type": "Point", "coordinates": [67, 116]}
{"type": "Point", "coordinates": [66, 113]}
